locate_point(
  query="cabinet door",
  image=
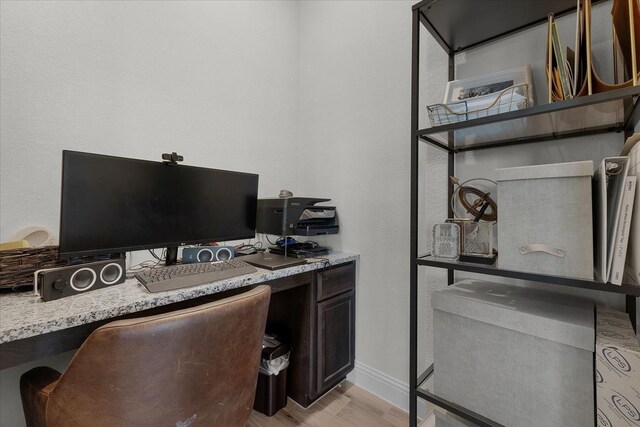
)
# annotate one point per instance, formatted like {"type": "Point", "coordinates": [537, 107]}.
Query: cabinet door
{"type": "Point", "coordinates": [336, 339]}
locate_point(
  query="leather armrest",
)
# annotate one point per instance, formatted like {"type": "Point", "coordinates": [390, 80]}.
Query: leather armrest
{"type": "Point", "coordinates": [35, 387]}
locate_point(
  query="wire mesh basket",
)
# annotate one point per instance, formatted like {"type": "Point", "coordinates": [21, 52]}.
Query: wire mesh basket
{"type": "Point", "coordinates": [510, 99]}
{"type": "Point", "coordinates": [18, 265]}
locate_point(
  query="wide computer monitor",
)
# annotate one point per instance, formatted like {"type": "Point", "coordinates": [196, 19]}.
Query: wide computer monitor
{"type": "Point", "coordinates": [114, 205]}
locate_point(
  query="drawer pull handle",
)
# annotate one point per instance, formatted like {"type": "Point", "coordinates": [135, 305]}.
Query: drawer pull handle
{"type": "Point", "coordinates": [541, 247]}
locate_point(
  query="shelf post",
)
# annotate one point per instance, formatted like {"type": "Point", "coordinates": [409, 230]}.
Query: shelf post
{"type": "Point", "coordinates": [413, 289]}
{"type": "Point", "coordinates": [451, 160]}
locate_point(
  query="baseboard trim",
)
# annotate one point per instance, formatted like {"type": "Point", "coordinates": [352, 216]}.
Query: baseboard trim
{"type": "Point", "coordinates": [384, 386]}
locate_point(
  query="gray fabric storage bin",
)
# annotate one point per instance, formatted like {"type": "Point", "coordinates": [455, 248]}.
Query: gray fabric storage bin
{"type": "Point", "coordinates": [545, 222]}
{"type": "Point", "coordinates": [518, 356]}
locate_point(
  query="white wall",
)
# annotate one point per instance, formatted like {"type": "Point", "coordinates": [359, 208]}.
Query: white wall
{"type": "Point", "coordinates": [354, 122]}
{"type": "Point", "coordinates": [214, 81]}
{"type": "Point", "coordinates": [355, 110]}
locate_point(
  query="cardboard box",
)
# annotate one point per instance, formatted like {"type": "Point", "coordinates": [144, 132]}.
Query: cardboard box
{"type": "Point", "coordinates": [617, 370]}
{"type": "Point", "coordinates": [520, 357]}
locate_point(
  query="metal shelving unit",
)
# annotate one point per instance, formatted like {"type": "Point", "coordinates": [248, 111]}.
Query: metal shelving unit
{"type": "Point", "coordinates": [424, 392]}
{"type": "Point", "coordinates": [611, 111]}
{"type": "Point", "coordinates": [463, 25]}
{"type": "Point", "coordinates": [492, 270]}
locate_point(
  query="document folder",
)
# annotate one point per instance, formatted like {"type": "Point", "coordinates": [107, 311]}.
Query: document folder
{"type": "Point", "coordinates": [609, 182]}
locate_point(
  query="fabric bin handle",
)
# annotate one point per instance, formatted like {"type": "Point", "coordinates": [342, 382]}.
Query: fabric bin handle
{"type": "Point", "coordinates": [541, 247]}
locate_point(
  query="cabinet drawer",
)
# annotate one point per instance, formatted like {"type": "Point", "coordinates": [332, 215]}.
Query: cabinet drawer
{"type": "Point", "coordinates": [336, 280]}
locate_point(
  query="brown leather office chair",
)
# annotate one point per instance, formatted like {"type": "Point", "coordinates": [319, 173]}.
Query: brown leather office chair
{"type": "Point", "coordinates": [192, 367]}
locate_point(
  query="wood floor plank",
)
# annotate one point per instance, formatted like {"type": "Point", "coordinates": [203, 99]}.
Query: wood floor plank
{"type": "Point", "coordinates": [347, 405]}
{"type": "Point", "coordinates": [280, 419]}
{"type": "Point", "coordinates": [337, 405]}
{"type": "Point", "coordinates": [317, 414]}
{"type": "Point", "coordinates": [359, 394]}
{"type": "Point", "coordinates": [361, 413]}
{"type": "Point", "coordinates": [397, 417]}
{"type": "Point", "coordinates": [344, 386]}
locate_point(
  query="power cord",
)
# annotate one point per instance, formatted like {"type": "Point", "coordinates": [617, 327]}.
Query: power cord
{"type": "Point", "coordinates": [325, 261]}
{"type": "Point", "coordinates": [266, 236]}
{"type": "Point", "coordinates": [161, 257]}
{"type": "Point", "coordinates": [145, 265]}
{"type": "Point", "coordinates": [248, 248]}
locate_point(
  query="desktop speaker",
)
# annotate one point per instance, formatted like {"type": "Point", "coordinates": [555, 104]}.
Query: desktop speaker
{"type": "Point", "coordinates": [55, 283]}
{"type": "Point", "coordinates": [207, 254]}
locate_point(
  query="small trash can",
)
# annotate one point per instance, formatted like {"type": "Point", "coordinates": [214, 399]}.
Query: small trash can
{"type": "Point", "coordinates": [271, 391]}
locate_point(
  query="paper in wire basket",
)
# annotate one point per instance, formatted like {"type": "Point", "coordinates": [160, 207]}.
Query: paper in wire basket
{"type": "Point", "coordinates": [510, 99]}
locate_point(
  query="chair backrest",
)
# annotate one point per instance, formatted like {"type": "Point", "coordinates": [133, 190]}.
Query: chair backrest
{"type": "Point", "coordinates": [187, 368]}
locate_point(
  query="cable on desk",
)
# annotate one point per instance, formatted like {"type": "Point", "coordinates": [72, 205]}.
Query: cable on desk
{"type": "Point", "coordinates": [266, 236]}
{"type": "Point", "coordinates": [143, 266]}
{"type": "Point", "coordinates": [243, 246]}
{"type": "Point", "coordinates": [325, 261]}
{"type": "Point", "coordinates": [162, 256]}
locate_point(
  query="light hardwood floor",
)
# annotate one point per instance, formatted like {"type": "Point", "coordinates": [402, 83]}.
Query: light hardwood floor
{"type": "Point", "coordinates": [345, 405]}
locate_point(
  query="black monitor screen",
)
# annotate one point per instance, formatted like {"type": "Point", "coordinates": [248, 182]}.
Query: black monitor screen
{"type": "Point", "coordinates": [114, 204]}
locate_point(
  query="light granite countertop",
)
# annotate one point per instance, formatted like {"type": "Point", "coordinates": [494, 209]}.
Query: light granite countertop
{"type": "Point", "coordinates": [24, 314]}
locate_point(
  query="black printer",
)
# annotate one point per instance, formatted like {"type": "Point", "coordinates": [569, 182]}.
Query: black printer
{"type": "Point", "coordinates": [296, 216]}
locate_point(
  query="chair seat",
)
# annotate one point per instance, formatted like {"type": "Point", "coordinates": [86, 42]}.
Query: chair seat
{"type": "Point", "coordinates": [192, 367]}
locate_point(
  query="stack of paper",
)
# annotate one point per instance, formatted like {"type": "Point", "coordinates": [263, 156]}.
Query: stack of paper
{"type": "Point", "coordinates": [569, 76]}
{"type": "Point", "coordinates": [558, 73]}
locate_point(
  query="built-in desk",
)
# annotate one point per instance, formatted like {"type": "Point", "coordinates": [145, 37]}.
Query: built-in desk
{"type": "Point", "coordinates": [312, 308]}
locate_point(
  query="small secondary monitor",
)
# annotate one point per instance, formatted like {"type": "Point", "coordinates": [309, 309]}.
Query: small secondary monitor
{"type": "Point", "coordinates": [114, 204]}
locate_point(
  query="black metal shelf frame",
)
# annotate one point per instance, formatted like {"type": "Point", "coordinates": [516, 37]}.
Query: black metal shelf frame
{"type": "Point", "coordinates": [469, 24]}
{"type": "Point", "coordinates": [442, 20]}
{"type": "Point", "coordinates": [424, 393]}
{"type": "Point", "coordinates": [428, 260]}
{"type": "Point", "coordinates": [625, 98]}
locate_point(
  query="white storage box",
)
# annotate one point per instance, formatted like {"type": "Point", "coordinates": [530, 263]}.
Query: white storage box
{"type": "Point", "coordinates": [518, 356]}
{"type": "Point", "coordinates": [545, 222]}
{"type": "Point", "coordinates": [617, 369]}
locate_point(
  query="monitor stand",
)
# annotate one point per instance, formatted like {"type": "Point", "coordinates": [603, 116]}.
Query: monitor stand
{"type": "Point", "coordinates": [172, 255]}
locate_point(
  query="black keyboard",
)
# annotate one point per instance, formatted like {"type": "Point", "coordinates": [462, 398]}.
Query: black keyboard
{"type": "Point", "coordinates": [185, 275]}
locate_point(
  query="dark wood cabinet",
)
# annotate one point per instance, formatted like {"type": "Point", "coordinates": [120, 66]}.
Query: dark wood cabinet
{"type": "Point", "coordinates": [314, 312]}
{"type": "Point", "coordinates": [336, 339]}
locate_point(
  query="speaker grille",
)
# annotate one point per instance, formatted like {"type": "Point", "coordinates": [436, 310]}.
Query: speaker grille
{"type": "Point", "coordinates": [83, 279]}
{"type": "Point", "coordinates": [111, 273]}
{"type": "Point", "coordinates": [205, 255]}
{"type": "Point", "coordinates": [223, 254]}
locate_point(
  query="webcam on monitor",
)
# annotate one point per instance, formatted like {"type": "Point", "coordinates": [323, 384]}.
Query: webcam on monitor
{"type": "Point", "coordinates": [172, 159]}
